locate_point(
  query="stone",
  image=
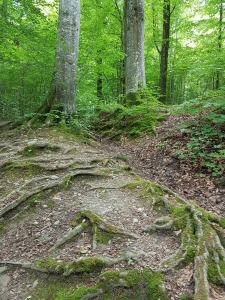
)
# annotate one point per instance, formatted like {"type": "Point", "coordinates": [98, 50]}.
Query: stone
{"type": "Point", "coordinates": [35, 284]}
{"type": "Point", "coordinates": [4, 280]}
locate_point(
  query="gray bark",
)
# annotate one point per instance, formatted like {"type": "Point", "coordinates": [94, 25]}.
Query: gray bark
{"type": "Point", "coordinates": [134, 45]}
{"type": "Point", "coordinates": [67, 54]}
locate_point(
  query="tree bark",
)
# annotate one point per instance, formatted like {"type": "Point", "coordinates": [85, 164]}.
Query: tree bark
{"type": "Point", "coordinates": [164, 53]}
{"type": "Point", "coordinates": [219, 48]}
{"type": "Point", "coordinates": [134, 45]}
{"type": "Point", "coordinates": [61, 95]}
{"type": "Point", "coordinates": [67, 54]}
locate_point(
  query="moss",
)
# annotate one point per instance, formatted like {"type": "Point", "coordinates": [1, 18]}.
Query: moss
{"type": "Point", "coordinates": [222, 222]}
{"type": "Point", "coordinates": [22, 169]}
{"type": "Point", "coordinates": [49, 291]}
{"type": "Point", "coordinates": [66, 182]}
{"type": "Point", "coordinates": [212, 217]}
{"type": "Point", "coordinates": [184, 297]}
{"type": "Point", "coordinates": [135, 118]}
{"type": "Point", "coordinates": [80, 292]}
{"type": "Point", "coordinates": [28, 151]}
{"type": "Point", "coordinates": [179, 211]}
{"type": "Point", "coordinates": [76, 220]}
{"type": "Point", "coordinates": [132, 277]}
{"type": "Point", "coordinates": [33, 150]}
{"type": "Point", "coordinates": [109, 276]}
{"type": "Point", "coordinates": [50, 264]}
{"type": "Point", "coordinates": [190, 255]}
{"type": "Point", "coordinates": [213, 274]}
{"type": "Point", "coordinates": [146, 285]}
{"type": "Point", "coordinates": [158, 190]}
{"type": "Point", "coordinates": [94, 218]}
{"type": "Point", "coordinates": [102, 237]}
{"type": "Point", "coordinates": [89, 264]}
{"type": "Point", "coordinates": [137, 184]}
{"type": "Point", "coordinates": [154, 285]}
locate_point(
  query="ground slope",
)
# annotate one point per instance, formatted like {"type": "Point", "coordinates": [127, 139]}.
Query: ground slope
{"type": "Point", "coordinates": [76, 216]}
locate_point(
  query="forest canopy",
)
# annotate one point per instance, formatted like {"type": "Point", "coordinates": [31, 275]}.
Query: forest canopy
{"type": "Point", "coordinates": [194, 42]}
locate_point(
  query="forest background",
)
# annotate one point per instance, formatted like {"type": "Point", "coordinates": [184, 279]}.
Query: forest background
{"type": "Point", "coordinates": [192, 81]}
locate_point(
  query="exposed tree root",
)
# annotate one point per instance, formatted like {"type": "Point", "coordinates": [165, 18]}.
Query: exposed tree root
{"type": "Point", "coordinates": [80, 265]}
{"type": "Point", "coordinates": [23, 195]}
{"type": "Point", "coordinates": [97, 223]}
{"type": "Point", "coordinates": [202, 241]}
{"type": "Point", "coordinates": [92, 295]}
{"type": "Point", "coordinates": [68, 236]}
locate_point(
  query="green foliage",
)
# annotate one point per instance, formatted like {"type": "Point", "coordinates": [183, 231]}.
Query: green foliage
{"type": "Point", "coordinates": [205, 146]}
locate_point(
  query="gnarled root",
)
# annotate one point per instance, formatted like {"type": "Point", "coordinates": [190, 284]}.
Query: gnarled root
{"type": "Point", "coordinates": [85, 217]}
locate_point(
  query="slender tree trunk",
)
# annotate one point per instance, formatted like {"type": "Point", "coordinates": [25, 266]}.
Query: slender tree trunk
{"type": "Point", "coordinates": [121, 64]}
{"type": "Point", "coordinates": [164, 53]}
{"type": "Point", "coordinates": [219, 47]}
{"type": "Point", "coordinates": [134, 45]}
{"type": "Point", "coordinates": [99, 78]}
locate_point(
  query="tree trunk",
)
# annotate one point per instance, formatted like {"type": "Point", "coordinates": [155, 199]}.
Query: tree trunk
{"type": "Point", "coordinates": [219, 47]}
{"type": "Point", "coordinates": [67, 54]}
{"type": "Point", "coordinates": [121, 64]}
{"type": "Point", "coordinates": [99, 78]}
{"type": "Point", "coordinates": [62, 91]}
{"type": "Point", "coordinates": [134, 45]}
{"type": "Point", "coordinates": [164, 53]}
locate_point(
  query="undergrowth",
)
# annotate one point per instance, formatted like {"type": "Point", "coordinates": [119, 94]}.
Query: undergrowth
{"type": "Point", "coordinates": [203, 136]}
{"type": "Point", "coordinates": [133, 119]}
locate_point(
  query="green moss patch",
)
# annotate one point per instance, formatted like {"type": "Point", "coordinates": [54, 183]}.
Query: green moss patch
{"type": "Point", "coordinates": [88, 264]}
{"type": "Point", "coordinates": [26, 170]}
{"type": "Point", "coordinates": [33, 150]}
{"type": "Point", "coordinates": [137, 117]}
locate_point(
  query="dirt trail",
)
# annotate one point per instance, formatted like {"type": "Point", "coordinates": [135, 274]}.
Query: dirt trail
{"type": "Point", "coordinates": [64, 198]}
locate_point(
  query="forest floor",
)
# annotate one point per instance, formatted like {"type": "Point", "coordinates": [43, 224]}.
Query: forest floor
{"type": "Point", "coordinates": [152, 162]}
{"type": "Point", "coordinates": [50, 181]}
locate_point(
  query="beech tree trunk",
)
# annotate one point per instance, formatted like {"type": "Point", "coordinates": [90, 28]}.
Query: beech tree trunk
{"type": "Point", "coordinates": [62, 91]}
{"type": "Point", "coordinates": [67, 54]}
{"type": "Point", "coordinates": [134, 45]}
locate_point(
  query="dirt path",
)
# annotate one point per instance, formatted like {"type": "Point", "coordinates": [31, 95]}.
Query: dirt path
{"type": "Point", "coordinates": [150, 161]}
{"type": "Point", "coordinates": [68, 200]}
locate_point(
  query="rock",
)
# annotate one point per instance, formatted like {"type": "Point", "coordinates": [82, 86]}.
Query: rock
{"type": "Point", "coordinates": [4, 280]}
{"type": "Point", "coordinates": [135, 220]}
{"type": "Point", "coordinates": [56, 223]}
{"type": "Point", "coordinates": [54, 177]}
{"type": "Point", "coordinates": [35, 284]}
